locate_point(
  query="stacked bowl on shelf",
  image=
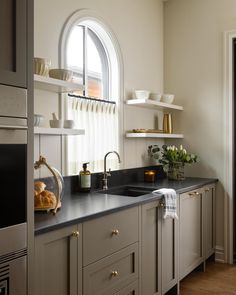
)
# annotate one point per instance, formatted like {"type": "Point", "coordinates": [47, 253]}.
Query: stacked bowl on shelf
{"type": "Point", "coordinates": [42, 68]}
{"type": "Point", "coordinates": [146, 94]}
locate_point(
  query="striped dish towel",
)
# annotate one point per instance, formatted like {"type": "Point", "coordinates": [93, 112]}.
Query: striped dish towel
{"type": "Point", "coordinates": [170, 202]}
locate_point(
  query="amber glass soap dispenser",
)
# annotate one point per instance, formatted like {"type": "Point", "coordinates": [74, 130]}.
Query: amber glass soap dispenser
{"type": "Point", "coordinates": [85, 179]}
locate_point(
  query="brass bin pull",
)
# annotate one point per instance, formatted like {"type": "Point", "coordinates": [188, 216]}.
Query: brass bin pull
{"type": "Point", "coordinates": [115, 232]}
{"type": "Point", "coordinates": [194, 194]}
{"type": "Point", "coordinates": [75, 234]}
{"type": "Point", "coordinates": [114, 273]}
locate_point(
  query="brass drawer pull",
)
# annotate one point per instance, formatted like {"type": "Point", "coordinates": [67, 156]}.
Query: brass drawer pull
{"type": "Point", "coordinates": [115, 232]}
{"type": "Point", "coordinates": [114, 273]}
{"type": "Point", "coordinates": [75, 234]}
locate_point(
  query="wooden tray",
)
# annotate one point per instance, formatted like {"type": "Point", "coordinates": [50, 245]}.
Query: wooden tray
{"type": "Point", "coordinates": [147, 131]}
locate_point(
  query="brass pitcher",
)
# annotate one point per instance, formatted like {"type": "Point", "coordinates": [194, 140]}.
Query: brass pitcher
{"type": "Point", "coordinates": [167, 123]}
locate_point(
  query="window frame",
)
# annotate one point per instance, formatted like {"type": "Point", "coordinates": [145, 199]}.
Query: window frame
{"type": "Point", "coordinates": [116, 83]}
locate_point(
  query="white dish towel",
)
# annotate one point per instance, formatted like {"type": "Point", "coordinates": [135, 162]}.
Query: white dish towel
{"type": "Point", "coordinates": [170, 202]}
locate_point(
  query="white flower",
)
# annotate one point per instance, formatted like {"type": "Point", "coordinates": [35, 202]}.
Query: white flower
{"type": "Point", "coordinates": [184, 151]}
{"type": "Point", "coordinates": [181, 147]}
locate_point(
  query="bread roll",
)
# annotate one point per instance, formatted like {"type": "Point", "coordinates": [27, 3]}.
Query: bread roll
{"type": "Point", "coordinates": [39, 186]}
{"type": "Point", "coordinates": [45, 200]}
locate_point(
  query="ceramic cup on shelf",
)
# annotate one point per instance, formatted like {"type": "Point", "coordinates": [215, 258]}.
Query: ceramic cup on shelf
{"type": "Point", "coordinates": [69, 124]}
{"type": "Point", "coordinates": [56, 123]}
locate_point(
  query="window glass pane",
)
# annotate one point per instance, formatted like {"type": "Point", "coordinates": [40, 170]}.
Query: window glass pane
{"type": "Point", "coordinates": [75, 54]}
{"type": "Point", "coordinates": [94, 68]}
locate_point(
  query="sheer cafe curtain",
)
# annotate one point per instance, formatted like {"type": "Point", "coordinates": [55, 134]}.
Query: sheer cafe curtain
{"type": "Point", "coordinates": [100, 122]}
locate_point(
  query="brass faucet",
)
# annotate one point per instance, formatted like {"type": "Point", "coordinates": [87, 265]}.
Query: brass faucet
{"type": "Point", "coordinates": [108, 174]}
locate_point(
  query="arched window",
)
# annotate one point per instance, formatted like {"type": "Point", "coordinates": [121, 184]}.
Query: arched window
{"type": "Point", "coordinates": [91, 51]}
{"type": "Point", "coordinates": [87, 58]}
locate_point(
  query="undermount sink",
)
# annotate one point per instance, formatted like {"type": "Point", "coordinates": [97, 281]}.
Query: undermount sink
{"type": "Point", "coordinates": [126, 191]}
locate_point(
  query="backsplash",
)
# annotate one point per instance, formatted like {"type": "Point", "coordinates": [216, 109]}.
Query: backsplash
{"type": "Point", "coordinates": [118, 177]}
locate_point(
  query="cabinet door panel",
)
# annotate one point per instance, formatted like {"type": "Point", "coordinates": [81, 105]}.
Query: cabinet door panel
{"type": "Point", "coordinates": [151, 249]}
{"type": "Point", "coordinates": [209, 221]}
{"type": "Point", "coordinates": [13, 42]}
{"type": "Point", "coordinates": [169, 256]}
{"type": "Point", "coordinates": [191, 232]}
{"type": "Point", "coordinates": [56, 263]}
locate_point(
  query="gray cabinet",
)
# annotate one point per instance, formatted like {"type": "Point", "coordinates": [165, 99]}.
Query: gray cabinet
{"type": "Point", "coordinates": [191, 237]}
{"type": "Point", "coordinates": [151, 249]}
{"type": "Point", "coordinates": [58, 262]}
{"type": "Point", "coordinates": [169, 253]}
{"type": "Point", "coordinates": [13, 40]}
{"type": "Point", "coordinates": [159, 254]}
{"type": "Point", "coordinates": [209, 219]}
{"type": "Point", "coordinates": [111, 253]}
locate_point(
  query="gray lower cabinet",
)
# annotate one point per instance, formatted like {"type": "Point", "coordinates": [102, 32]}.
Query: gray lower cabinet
{"type": "Point", "coordinates": [209, 219]}
{"type": "Point", "coordinates": [191, 237]}
{"type": "Point", "coordinates": [159, 249]}
{"type": "Point", "coordinates": [58, 262]}
{"type": "Point", "coordinates": [169, 253]}
{"type": "Point", "coordinates": [111, 253]}
{"type": "Point", "coordinates": [130, 252]}
{"type": "Point", "coordinates": [151, 249]}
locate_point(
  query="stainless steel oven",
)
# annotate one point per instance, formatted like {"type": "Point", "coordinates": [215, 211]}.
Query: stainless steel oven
{"type": "Point", "coordinates": [13, 190]}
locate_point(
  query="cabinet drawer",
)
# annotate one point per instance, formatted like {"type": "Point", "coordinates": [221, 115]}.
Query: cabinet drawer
{"type": "Point", "coordinates": [106, 235]}
{"type": "Point", "coordinates": [132, 289]}
{"type": "Point", "coordinates": [112, 273]}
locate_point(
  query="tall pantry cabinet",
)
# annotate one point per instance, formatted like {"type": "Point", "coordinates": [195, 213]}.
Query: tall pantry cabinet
{"type": "Point", "coordinates": [13, 45]}
{"type": "Point", "coordinates": [16, 79]}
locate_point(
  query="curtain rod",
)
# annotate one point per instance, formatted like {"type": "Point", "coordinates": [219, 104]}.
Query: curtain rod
{"type": "Point", "coordinates": [91, 98]}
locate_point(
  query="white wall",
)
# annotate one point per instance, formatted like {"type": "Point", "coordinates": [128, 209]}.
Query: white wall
{"type": "Point", "coordinates": [138, 26]}
{"type": "Point", "coordinates": [193, 60]}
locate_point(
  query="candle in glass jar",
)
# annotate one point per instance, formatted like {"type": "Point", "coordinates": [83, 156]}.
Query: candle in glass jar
{"type": "Point", "coordinates": [149, 175]}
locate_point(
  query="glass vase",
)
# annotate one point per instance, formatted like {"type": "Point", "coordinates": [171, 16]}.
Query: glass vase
{"type": "Point", "coordinates": [176, 171]}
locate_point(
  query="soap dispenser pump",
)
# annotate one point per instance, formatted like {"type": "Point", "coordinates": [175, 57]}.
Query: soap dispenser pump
{"type": "Point", "coordinates": [85, 179]}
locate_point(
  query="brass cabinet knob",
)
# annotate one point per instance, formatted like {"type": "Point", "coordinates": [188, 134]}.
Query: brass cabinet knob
{"type": "Point", "coordinates": [115, 232]}
{"type": "Point", "coordinates": [114, 273]}
{"type": "Point", "coordinates": [75, 234]}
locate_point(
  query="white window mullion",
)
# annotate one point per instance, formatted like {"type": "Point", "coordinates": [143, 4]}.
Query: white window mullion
{"type": "Point", "coordinates": [85, 62]}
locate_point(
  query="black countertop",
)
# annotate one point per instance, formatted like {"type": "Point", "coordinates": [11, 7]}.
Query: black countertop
{"type": "Point", "coordinates": [79, 207]}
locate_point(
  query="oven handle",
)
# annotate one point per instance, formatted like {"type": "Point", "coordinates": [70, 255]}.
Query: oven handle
{"type": "Point", "coordinates": [13, 123]}
{"type": "Point", "coordinates": [13, 127]}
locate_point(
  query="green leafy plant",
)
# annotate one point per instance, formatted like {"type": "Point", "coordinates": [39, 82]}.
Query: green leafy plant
{"type": "Point", "coordinates": [168, 155]}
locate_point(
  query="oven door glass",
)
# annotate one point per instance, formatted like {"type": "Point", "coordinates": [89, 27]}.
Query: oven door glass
{"type": "Point", "coordinates": [13, 184]}
{"type": "Point", "coordinates": [4, 287]}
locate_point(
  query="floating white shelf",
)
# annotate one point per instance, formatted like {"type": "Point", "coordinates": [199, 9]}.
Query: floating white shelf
{"type": "Point", "coordinates": [58, 131]}
{"type": "Point", "coordinates": [148, 103]}
{"type": "Point", "coordinates": [153, 135]}
{"type": "Point", "coordinates": [55, 85]}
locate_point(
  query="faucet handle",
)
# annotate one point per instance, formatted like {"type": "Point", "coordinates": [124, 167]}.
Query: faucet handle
{"type": "Point", "coordinates": [109, 172]}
